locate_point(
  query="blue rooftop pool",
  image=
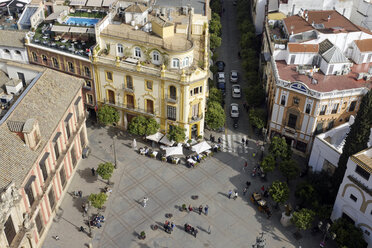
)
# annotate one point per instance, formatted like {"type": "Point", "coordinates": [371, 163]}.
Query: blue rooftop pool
{"type": "Point", "coordinates": [81, 21]}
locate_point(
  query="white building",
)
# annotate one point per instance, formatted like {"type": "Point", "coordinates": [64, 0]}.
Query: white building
{"type": "Point", "coordinates": [328, 146]}
{"type": "Point", "coordinates": [12, 46]}
{"type": "Point", "coordinates": [354, 198]}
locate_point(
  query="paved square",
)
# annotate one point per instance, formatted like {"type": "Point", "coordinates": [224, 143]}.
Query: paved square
{"type": "Point", "coordinates": [233, 223]}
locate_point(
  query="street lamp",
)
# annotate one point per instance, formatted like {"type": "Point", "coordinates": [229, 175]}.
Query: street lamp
{"type": "Point", "coordinates": [325, 229]}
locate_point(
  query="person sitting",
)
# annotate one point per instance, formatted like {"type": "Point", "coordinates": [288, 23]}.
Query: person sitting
{"type": "Point", "coordinates": [108, 189]}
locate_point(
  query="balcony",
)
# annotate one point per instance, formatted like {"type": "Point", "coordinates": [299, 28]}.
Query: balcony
{"type": "Point", "coordinates": [130, 107]}
{"type": "Point", "coordinates": [195, 118]}
{"type": "Point", "coordinates": [171, 99]}
{"type": "Point", "coordinates": [128, 89]}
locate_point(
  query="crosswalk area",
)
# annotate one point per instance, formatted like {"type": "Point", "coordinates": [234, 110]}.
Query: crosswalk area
{"type": "Point", "coordinates": [233, 143]}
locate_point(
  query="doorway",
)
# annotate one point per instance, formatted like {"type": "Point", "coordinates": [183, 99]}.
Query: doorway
{"type": "Point", "coordinates": [111, 96]}
{"type": "Point", "coordinates": [194, 131]}
{"type": "Point", "coordinates": [130, 101]}
{"type": "Point", "coordinates": [22, 77]}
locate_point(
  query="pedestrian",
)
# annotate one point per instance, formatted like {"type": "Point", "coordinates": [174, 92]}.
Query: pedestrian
{"type": "Point", "coordinates": [145, 199]}
{"type": "Point", "coordinates": [134, 144]}
{"type": "Point", "coordinates": [56, 237]}
{"type": "Point", "coordinates": [80, 193]}
{"type": "Point", "coordinates": [246, 142]}
{"type": "Point", "coordinates": [206, 209]}
{"type": "Point", "coordinates": [266, 193]}
{"type": "Point", "coordinates": [93, 172]}
{"type": "Point", "coordinates": [230, 193]}
{"type": "Point", "coordinates": [219, 140]}
{"type": "Point", "coordinates": [248, 183]}
{"type": "Point", "coordinates": [245, 190]}
{"type": "Point", "coordinates": [243, 141]}
{"type": "Point", "coordinates": [172, 225]}
{"type": "Point", "coordinates": [210, 137]}
{"type": "Point", "coordinates": [200, 209]}
{"type": "Point", "coordinates": [245, 166]}
{"type": "Point", "coordinates": [190, 208]}
{"type": "Point", "coordinates": [263, 188]}
{"type": "Point", "coordinates": [235, 195]}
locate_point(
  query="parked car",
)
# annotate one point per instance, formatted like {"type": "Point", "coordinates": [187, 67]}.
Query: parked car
{"type": "Point", "coordinates": [234, 110]}
{"type": "Point", "coordinates": [220, 65]}
{"type": "Point", "coordinates": [234, 76]}
{"type": "Point", "coordinates": [235, 91]}
{"type": "Point", "coordinates": [221, 77]}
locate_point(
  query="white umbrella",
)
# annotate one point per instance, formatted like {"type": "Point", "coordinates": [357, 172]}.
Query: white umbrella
{"type": "Point", "coordinates": [134, 144]}
{"type": "Point", "coordinates": [201, 147]}
{"type": "Point", "coordinates": [166, 141]}
{"type": "Point", "coordinates": [171, 151]}
{"type": "Point", "coordinates": [155, 137]}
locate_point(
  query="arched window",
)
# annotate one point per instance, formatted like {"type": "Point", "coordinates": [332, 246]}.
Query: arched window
{"type": "Point", "coordinates": [55, 63]}
{"type": "Point", "coordinates": [155, 57]}
{"type": "Point", "coordinates": [137, 52]}
{"type": "Point", "coordinates": [6, 51]}
{"type": "Point", "coordinates": [45, 59]}
{"type": "Point", "coordinates": [282, 102]}
{"type": "Point", "coordinates": [175, 63]}
{"type": "Point", "coordinates": [120, 49]}
{"type": "Point", "coordinates": [173, 92]}
{"type": "Point", "coordinates": [186, 61]}
{"type": "Point", "coordinates": [129, 82]}
{"type": "Point", "coordinates": [34, 56]}
{"type": "Point", "coordinates": [18, 52]}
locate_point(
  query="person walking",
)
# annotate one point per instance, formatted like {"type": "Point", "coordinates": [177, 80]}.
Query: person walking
{"type": "Point", "coordinates": [263, 188]}
{"type": "Point", "coordinates": [244, 190]}
{"type": "Point", "coordinates": [206, 209]}
{"type": "Point", "coordinates": [93, 172]}
{"type": "Point", "coordinates": [243, 141]}
{"type": "Point", "coordinates": [246, 142]}
{"type": "Point", "coordinates": [145, 199]}
{"type": "Point", "coordinates": [230, 193]}
{"type": "Point", "coordinates": [190, 208]}
{"type": "Point", "coordinates": [219, 140]}
{"type": "Point", "coordinates": [235, 195]}
{"type": "Point", "coordinates": [80, 193]}
{"type": "Point", "coordinates": [245, 166]}
{"type": "Point", "coordinates": [200, 209]}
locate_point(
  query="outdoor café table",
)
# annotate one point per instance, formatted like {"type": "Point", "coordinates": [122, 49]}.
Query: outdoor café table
{"type": "Point", "coordinates": [191, 161]}
{"type": "Point", "coordinates": [143, 151]}
{"type": "Point", "coordinates": [154, 154]}
{"type": "Point", "coordinates": [175, 160]}
{"type": "Point", "coordinates": [208, 152]}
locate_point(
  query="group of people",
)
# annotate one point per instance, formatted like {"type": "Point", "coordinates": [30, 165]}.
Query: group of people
{"type": "Point", "coordinates": [213, 139]}
{"type": "Point", "coordinates": [200, 209]}
{"type": "Point", "coordinates": [97, 220]}
{"type": "Point", "coordinates": [231, 193]}
{"type": "Point", "coordinates": [168, 226]}
{"type": "Point", "coordinates": [188, 228]}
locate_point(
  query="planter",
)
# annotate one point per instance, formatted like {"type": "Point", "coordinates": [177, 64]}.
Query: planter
{"type": "Point", "coordinates": [154, 227]}
{"type": "Point", "coordinates": [286, 220]}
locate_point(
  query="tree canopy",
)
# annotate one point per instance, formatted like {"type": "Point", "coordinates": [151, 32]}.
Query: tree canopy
{"type": "Point", "coordinates": [215, 41]}
{"type": "Point", "coordinates": [268, 163]}
{"type": "Point", "coordinates": [97, 200]}
{"type": "Point", "coordinates": [279, 191]}
{"type": "Point", "coordinates": [108, 115]}
{"type": "Point", "coordinates": [105, 170]}
{"type": "Point", "coordinates": [347, 234]}
{"type": "Point", "coordinates": [257, 118]}
{"type": "Point", "coordinates": [215, 115]}
{"type": "Point", "coordinates": [306, 193]}
{"type": "Point", "coordinates": [303, 219]}
{"type": "Point", "coordinates": [215, 95]}
{"type": "Point", "coordinates": [177, 134]}
{"type": "Point", "coordinates": [141, 125]}
{"type": "Point", "coordinates": [279, 148]}
{"type": "Point", "coordinates": [289, 169]}
{"type": "Point", "coordinates": [254, 95]}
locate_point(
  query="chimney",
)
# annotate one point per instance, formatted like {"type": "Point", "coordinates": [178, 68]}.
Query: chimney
{"type": "Point", "coordinates": [329, 18]}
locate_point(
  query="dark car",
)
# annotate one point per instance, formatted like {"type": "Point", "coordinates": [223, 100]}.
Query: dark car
{"type": "Point", "coordinates": [220, 65]}
{"type": "Point", "coordinates": [222, 87]}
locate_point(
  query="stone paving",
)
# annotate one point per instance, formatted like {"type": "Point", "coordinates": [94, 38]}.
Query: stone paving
{"type": "Point", "coordinates": [233, 223]}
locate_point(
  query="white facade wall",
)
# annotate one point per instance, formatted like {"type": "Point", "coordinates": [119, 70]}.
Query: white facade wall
{"type": "Point", "coordinates": [361, 14]}
{"type": "Point", "coordinates": [359, 210]}
{"type": "Point", "coordinates": [138, 18]}
{"type": "Point", "coordinates": [321, 152]}
{"type": "Point", "coordinates": [260, 15]}
{"type": "Point", "coordinates": [301, 58]}
{"type": "Point", "coordinates": [14, 54]}
{"type": "Point", "coordinates": [13, 72]}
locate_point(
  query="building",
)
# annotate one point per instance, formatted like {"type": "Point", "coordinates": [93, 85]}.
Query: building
{"type": "Point", "coordinates": [68, 51]}
{"type": "Point", "coordinates": [328, 147]}
{"type": "Point", "coordinates": [354, 197]}
{"type": "Point", "coordinates": [32, 15]}
{"type": "Point", "coordinates": [316, 68]}
{"type": "Point", "coordinates": [12, 46]}
{"type": "Point", "coordinates": [153, 61]}
{"type": "Point", "coordinates": [42, 137]}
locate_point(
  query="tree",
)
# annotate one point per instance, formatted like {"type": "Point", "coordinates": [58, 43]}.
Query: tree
{"type": "Point", "coordinates": [303, 219]}
{"type": "Point", "coordinates": [141, 125]}
{"type": "Point", "coordinates": [254, 95]}
{"type": "Point", "coordinates": [268, 163]}
{"type": "Point", "coordinates": [215, 115]}
{"type": "Point", "coordinates": [279, 148]}
{"type": "Point", "coordinates": [215, 25]}
{"type": "Point", "coordinates": [177, 134]}
{"type": "Point", "coordinates": [215, 95]}
{"type": "Point", "coordinates": [289, 169]}
{"type": "Point", "coordinates": [215, 41]}
{"type": "Point", "coordinates": [105, 170]}
{"type": "Point", "coordinates": [347, 234]}
{"type": "Point", "coordinates": [279, 191]}
{"type": "Point", "coordinates": [306, 194]}
{"type": "Point", "coordinates": [97, 200]}
{"type": "Point", "coordinates": [257, 118]}
{"type": "Point", "coordinates": [356, 139]}
{"type": "Point", "coordinates": [108, 115]}
{"type": "Point", "coordinates": [215, 6]}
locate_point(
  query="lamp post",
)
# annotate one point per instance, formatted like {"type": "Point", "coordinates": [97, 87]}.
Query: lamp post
{"type": "Point", "coordinates": [324, 227]}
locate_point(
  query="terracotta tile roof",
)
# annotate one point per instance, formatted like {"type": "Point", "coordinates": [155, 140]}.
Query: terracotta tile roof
{"type": "Point", "coordinates": [336, 23]}
{"type": "Point", "coordinates": [303, 48]}
{"type": "Point", "coordinates": [325, 83]}
{"type": "Point", "coordinates": [10, 38]}
{"type": "Point", "coordinates": [364, 45]}
{"type": "Point", "coordinates": [46, 102]}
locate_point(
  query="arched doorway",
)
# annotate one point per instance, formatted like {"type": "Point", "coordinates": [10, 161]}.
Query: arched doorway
{"type": "Point", "coordinates": [194, 131]}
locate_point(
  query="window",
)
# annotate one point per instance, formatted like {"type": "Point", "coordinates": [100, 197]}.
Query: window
{"type": "Point", "coordinates": [308, 108]}
{"type": "Point", "coordinates": [137, 52]}
{"type": "Point", "coordinates": [9, 230]}
{"type": "Point", "coordinates": [319, 128]}
{"type": "Point", "coordinates": [155, 57]}
{"type": "Point", "coordinates": [55, 62]}
{"type": "Point", "coordinates": [67, 125]}
{"type": "Point", "coordinates": [18, 52]}
{"type": "Point", "coordinates": [282, 102]}
{"type": "Point", "coordinates": [323, 110]}
{"type": "Point", "coordinates": [39, 224]}
{"type": "Point", "coordinates": [148, 85]}
{"type": "Point", "coordinates": [331, 124]}
{"type": "Point", "coordinates": [195, 110]}
{"type": "Point", "coordinates": [175, 63]}
{"type": "Point", "coordinates": [191, 94]}
{"type": "Point", "coordinates": [129, 82]}
{"type": "Point", "coordinates": [120, 48]}
{"type": "Point", "coordinates": [352, 106]}
{"type": "Point", "coordinates": [89, 98]}
{"type": "Point", "coordinates": [73, 156]}
{"type": "Point", "coordinates": [62, 175]}
{"type": "Point", "coordinates": [45, 59]}
{"type": "Point", "coordinates": [52, 199]}
{"type": "Point", "coordinates": [353, 197]}
{"type": "Point", "coordinates": [186, 61]}
{"type": "Point", "coordinates": [6, 51]}
{"type": "Point", "coordinates": [173, 92]}
{"type": "Point", "coordinates": [87, 71]}
{"type": "Point", "coordinates": [34, 56]}
{"type": "Point", "coordinates": [293, 59]}
{"type": "Point", "coordinates": [108, 75]}
{"type": "Point", "coordinates": [296, 100]}
{"type": "Point", "coordinates": [71, 67]}
{"type": "Point", "coordinates": [201, 89]}
{"type": "Point", "coordinates": [335, 108]}
{"type": "Point", "coordinates": [149, 106]}
{"type": "Point", "coordinates": [43, 167]}
{"type": "Point", "coordinates": [362, 172]}
{"type": "Point", "coordinates": [292, 121]}
{"type": "Point", "coordinates": [88, 84]}
{"type": "Point", "coordinates": [56, 150]}
{"type": "Point", "coordinates": [82, 138]}
{"type": "Point", "coordinates": [29, 192]}
{"type": "Point", "coordinates": [171, 112]}
{"type": "Point", "coordinates": [196, 90]}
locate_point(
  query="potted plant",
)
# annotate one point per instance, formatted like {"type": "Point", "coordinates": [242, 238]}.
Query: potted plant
{"type": "Point", "coordinates": [199, 138]}
{"type": "Point", "coordinates": [142, 235]}
{"type": "Point", "coordinates": [163, 158]}
{"type": "Point", "coordinates": [183, 207]}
